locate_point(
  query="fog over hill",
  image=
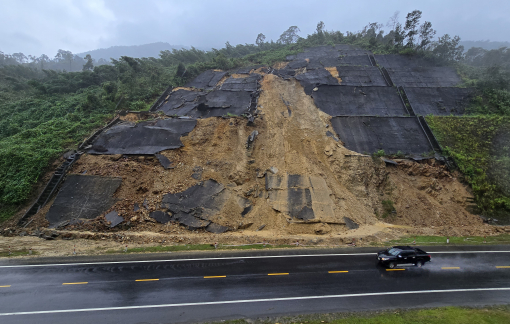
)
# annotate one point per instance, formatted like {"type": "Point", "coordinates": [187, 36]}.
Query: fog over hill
{"type": "Point", "coordinates": [485, 44]}
{"type": "Point", "coordinates": [137, 51]}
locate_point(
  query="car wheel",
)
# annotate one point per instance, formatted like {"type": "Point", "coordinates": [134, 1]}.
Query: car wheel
{"type": "Point", "coordinates": [419, 264]}
{"type": "Point", "coordinates": [391, 265]}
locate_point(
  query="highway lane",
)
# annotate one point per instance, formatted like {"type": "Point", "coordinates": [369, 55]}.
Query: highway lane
{"type": "Point", "coordinates": [213, 287]}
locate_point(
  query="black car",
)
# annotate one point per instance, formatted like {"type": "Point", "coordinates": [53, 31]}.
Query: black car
{"type": "Point", "coordinates": [402, 255]}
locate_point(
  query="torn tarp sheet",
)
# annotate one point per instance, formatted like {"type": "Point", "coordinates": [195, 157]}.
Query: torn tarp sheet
{"type": "Point", "coordinates": [148, 137]}
{"type": "Point", "coordinates": [249, 83]}
{"type": "Point", "coordinates": [313, 78]}
{"type": "Point", "coordinates": [392, 134]}
{"type": "Point", "coordinates": [216, 103]}
{"type": "Point", "coordinates": [301, 197]}
{"type": "Point", "coordinates": [439, 101]}
{"type": "Point", "coordinates": [362, 76]}
{"type": "Point", "coordinates": [84, 197]}
{"type": "Point", "coordinates": [207, 80]}
{"type": "Point", "coordinates": [359, 101]}
{"type": "Point", "coordinates": [424, 76]}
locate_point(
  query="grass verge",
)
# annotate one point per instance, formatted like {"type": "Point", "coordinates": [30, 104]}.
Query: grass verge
{"type": "Point", "coordinates": [15, 253]}
{"type": "Point", "coordinates": [198, 247]}
{"type": "Point", "coordinates": [450, 315]}
{"type": "Point", "coordinates": [455, 240]}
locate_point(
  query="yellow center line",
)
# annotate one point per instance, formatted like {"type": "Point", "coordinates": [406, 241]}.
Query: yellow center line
{"type": "Point", "coordinates": [395, 269]}
{"type": "Point", "coordinates": [503, 267]}
{"type": "Point", "coordinates": [7, 286]}
{"type": "Point", "coordinates": [75, 283]}
{"type": "Point", "coordinates": [208, 277]}
{"type": "Point", "coordinates": [450, 268]}
{"type": "Point", "coordinates": [146, 279]}
{"type": "Point", "coordinates": [277, 274]}
{"type": "Point", "coordinates": [338, 271]}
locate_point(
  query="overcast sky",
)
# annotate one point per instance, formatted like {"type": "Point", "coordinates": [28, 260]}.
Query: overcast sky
{"type": "Point", "coordinates": [44, 26]}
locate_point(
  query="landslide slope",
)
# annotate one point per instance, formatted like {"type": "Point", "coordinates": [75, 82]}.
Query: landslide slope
{"type": "Point", "coordinates": [283, 152]}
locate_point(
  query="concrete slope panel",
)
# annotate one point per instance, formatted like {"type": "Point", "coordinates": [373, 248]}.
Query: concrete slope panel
{"type": "Point", "coordinates": [361, 76]}
{"type": "Point", "coordinates": [401, 61]}
{"type": "Point", "coordinates": [359, 101]}
{"type": "Point", "coordinates": [391, 134]}
{"type": "Point", "coordinates": [82, 196]}
{"type": "Point", "coordinates": [424, 77]}
{"type": "Point", "coordinates": [439, 101]}
{"type": "Point", "coordinates": [148, 137]}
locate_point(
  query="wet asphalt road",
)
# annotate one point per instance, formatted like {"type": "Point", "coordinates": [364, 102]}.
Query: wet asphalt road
{"type": "Point", "coordinates": [205, 287]}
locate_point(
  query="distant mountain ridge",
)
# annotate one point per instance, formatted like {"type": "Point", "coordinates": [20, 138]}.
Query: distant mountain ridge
{"type": "Point", "coordinates": [137, 51]}
{"type": "Point", "coordinates": [485, 44]}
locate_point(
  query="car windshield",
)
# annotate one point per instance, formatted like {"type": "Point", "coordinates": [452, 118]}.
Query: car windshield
{"type": "Point", "coordinates": [393, 251]}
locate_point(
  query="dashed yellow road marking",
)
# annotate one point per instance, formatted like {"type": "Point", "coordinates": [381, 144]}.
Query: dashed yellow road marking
{"type": "Point", "coordinates": [337, 271]}
{"type": "Point", "coordinates": [75, 283]}
{"type": "Point", "coordinates": [450, 268]}
{"type": "Point", "coordinates": [503, 267]}
{"type": "Point", "coordinates": [147, 279]}
{"type": "Point", "coordinates": [277, 274]}
{"type": "Point", "coordinates": [7, 286]}
{"type": "Point", "coordinates": [208, 277]}
{"type": "Point", "coordinates": [395, 269]}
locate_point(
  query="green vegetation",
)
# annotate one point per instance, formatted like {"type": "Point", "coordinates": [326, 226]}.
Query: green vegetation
{"type": "Point", "coordinates": [450, 315]}
{"type": "Point", "coordinates": [16, 253]}
{"type": "Point", "coordinates": [480, 146]}
{"type": "Point", "coordinates": [199, 247]}
{"type": "Point", "coordinates": [457, 240]}
{"type": "Point", "coordinates": [388, 208]}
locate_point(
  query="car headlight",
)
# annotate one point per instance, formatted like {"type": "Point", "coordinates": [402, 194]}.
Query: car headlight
{"type": "Point", "coordinates": [384, 259]}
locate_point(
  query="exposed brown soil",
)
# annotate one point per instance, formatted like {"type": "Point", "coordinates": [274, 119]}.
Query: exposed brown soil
{"type": "Point", "coordinates": [292, 139]}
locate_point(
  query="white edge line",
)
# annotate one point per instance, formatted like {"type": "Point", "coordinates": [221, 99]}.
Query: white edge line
{"type": "Point", "coordinates": [226, 258]}
{"type": "Point", "coordinates": [255, 301]}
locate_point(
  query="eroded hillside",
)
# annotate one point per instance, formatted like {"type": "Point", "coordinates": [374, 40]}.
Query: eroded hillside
{"type": "Point", "coordinates": [278, 153]}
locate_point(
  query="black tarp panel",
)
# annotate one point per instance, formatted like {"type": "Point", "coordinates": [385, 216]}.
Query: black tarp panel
{"type": "Point", "coordinates": [181, 102]}
{"type": "Point", "coordinates": [358, 101]}
{"type": "Point", "coordinates": [391, 134]}
{"type": "Point", "coordinates": [148, 137]}
{"type": "Point", "coordinates": [216, 103]}
{"type": "Point", "coordinates": [363, 76]}
{"type": "Point", "coordinates": [401, 61]}
{"type": "Point", "coordinates": [82, 196]}
{"type": "Point", "coordinates": [424, 76]}
{"type": "Point", "coordinates": [439, 101]}
{"type": "Point", "coordinates": [206, 80]}
{"type": "Point", "coordinates": [249, 83]}
{"type": "Point", "coordinates": [313, 78]}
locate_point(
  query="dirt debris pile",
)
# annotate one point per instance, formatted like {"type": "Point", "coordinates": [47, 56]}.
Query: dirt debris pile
{"type": "Point", "coordinates": [268, 152]}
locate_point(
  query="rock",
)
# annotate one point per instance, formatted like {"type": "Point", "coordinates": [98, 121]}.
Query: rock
{"type": "Point", "coordinates": [134, 219]}
{"type": "Point", "coordinates": [216, 228]}
{"type": "Point", "coordinates": [321, 229]}
{"type": "Point", "coordinates": [114, 218]}
{"type": "Point", "coordinates": [273, 170]}
{"type": "Point", "coordinates": [164, 161]}
{"type": "Point", "coordinates": [115, 157]}
{"type": "Point", "coordinates": [261, 227]}
{"type": "Point", "coordinates": [350, 223]}
{"type": "Point", "coordinates": [251, 139]}
{"type": "Point", "coordinates": [244, 225]}
{"type": "Point", "coordinates": [160, 216]}
{"type": "Point", "coordinates": [197, 175]}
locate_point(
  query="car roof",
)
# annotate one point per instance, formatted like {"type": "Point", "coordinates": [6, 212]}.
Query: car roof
{"type": "Point", "coordinates": [404, 248]}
